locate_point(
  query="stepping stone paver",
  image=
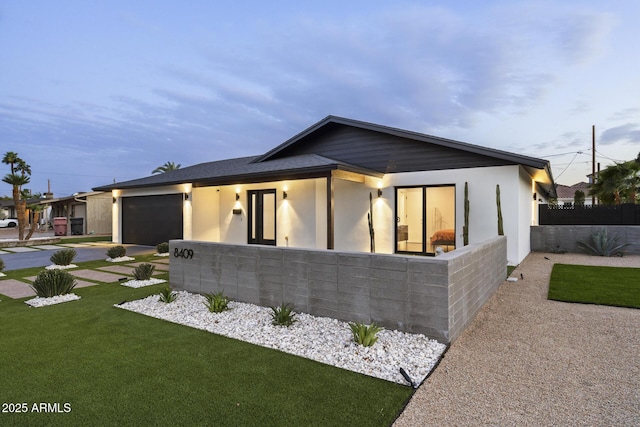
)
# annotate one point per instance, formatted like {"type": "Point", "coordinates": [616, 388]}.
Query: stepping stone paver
{"type": "Point", "coordinates": [100, 276]}
{"type": "Point", "coordinates": [15, 289]}
{"type": "Point", "coordinates": [122, 269]}
{"type": "Point", "coordinates": [48, 247]}
{"type": "Point", "coordinates": [18, 249]}
{"type": "Point", "coordinates": [162, 260]}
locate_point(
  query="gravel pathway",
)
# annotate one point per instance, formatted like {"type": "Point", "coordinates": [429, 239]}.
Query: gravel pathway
{"type": "Point", "coordinates": [525, 360]}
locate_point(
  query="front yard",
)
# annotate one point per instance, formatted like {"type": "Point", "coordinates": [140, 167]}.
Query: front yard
{"type": "Point", "coordinates": [89, 362]}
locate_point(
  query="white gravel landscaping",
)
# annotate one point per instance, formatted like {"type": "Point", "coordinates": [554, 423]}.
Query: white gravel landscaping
{"type": "Point", "coordinates": [60, 267]}
{"type": "Point", "coordinates": [41, 302]}
{"type": "Point", "coordinates": [120, 259]}
{"type": "Point", "coordinates": [322, 339]}
{"type": "Point", "coordinates": [142, 283]}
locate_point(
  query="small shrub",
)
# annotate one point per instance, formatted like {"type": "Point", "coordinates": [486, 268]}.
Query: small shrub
{"type": "Point", "coordinates": [50, 283]}
{"type": "Point", "coordinates": [217, 303]}
{"type": "Point", "coordinates": [167, 295]}
{"type": "Point", "coordinates": [162, 248]}
{"type": "Point", "coordinates": [63, 257]}
{"type": "Point", "coordinates": [1, 264]}
{"type": "Point", "coordinates": [116, 251]}
{"type": "Point", "coordinates": [283, 315]}
{"type": "Point", "coordinates": [363, 334]}
{"type": "Point", "coordinates": [602, 244]}
{"type": "Point", "coordinates": [143, 271]}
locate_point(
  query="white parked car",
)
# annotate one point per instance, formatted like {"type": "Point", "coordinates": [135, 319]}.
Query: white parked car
{"type": "Point", "coordinates": [9, 222]}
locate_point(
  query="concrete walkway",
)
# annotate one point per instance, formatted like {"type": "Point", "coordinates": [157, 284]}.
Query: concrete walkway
{"type": "Point", "coordinates": [526, 361]}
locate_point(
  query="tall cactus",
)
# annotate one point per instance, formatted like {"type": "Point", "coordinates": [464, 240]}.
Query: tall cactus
{"type": "Point", "coordinates": [465, 228]}
{"type": "Point", "coordinates": [500, 229]}
{"type": "Point", "coordinates": [370, 220]}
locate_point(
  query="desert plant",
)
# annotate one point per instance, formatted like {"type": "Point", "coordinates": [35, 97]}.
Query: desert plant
{"type": "Point", "coordinates": [63, 257]}
{"type": "Point", "coordinates": [217, 302]}
{"type": "Point", "coordinates": [1, 264]}
{"type": "Point", "coordinates": [162, 248]}
{"type": "Point", "coordinates": [116, 251]}
{"type": "Point", "coordinates": [167, 295]}
{"type": "Point", "coordinates": [602, 243]}
{"type": "Point", "coordinates": [50, 283]}
{"type": "Point", "coordinates": [363, 334]}
{"type": "Point", "coordinates": [143, 271]}
{"type": "Point", "coordinates": [283, 315]}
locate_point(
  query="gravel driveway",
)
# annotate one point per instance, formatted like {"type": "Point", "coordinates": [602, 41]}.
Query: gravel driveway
{"type": "Point", "coordinates": [525, 360]}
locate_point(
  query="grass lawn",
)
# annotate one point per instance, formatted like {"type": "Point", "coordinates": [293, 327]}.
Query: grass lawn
{"type": "Point", "coordinates": [616, 286]}
{"type": "Point", "coordinates": [115, 367]}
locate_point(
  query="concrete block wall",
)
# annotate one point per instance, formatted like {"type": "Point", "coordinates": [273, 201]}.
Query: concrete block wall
{"type": "Point", "coordinates": [434, 296]}
{"type": "Point", "coordinates": [549, 238]}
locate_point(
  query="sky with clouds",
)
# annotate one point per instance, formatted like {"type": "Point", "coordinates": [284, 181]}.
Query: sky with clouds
{"type": "Point", "coordinates": [97, 91]}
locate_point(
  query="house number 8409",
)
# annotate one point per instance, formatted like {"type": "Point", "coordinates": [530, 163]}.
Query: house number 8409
{"type": "Point", "coordinates": [184, 253]}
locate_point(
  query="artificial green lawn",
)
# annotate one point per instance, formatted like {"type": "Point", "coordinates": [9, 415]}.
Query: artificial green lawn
{"type": "Point", "coordinates": [616, 286]}
{"type": "Point", "coordinates": [115, 367]}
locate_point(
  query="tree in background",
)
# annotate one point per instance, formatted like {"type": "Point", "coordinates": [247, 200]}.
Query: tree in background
{"type": "Point", "coordinates": [618, 183]}
{"type": "Point", "coordinates": [167, 167]}
{"type": "Point", "coordinates": [19, 176]}
{"type": "Point", "coordinates": [578, 198]}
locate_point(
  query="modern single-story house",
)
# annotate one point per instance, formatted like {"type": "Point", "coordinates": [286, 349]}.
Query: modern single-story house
{"type": "Point", "coordinates": [313, 191]}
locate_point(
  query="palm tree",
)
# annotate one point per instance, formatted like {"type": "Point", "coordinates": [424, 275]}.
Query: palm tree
{"type": "Point", "coordinates": [17, 181]}
{"type": "Point", "coordinates": [617, 184]}
{"type": "Point", "coordinates": [10, 158]}
{"type": "Point", "coordinates": [167, 167]}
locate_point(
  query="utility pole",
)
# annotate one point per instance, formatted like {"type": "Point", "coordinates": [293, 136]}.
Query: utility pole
{"type": "Point", "coordinates": [593, 162]}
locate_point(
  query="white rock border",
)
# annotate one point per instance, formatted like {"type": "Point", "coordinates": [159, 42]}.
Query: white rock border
{"type": "Point", "coordinates": [142, 283]}
{"type": "Point", "coordinates": [60, 267]}
{"type": "Point", "coordinates": [322, 339]}
{"type": "Point", "coordinates": [42, 302]}
{"type": "Point", "coordinates": [120, 259]}
{"type": "Point", "coordinates": [161, 254]}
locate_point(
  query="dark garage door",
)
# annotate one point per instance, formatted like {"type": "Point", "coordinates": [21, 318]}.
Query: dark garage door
{"type": "Point", "coordinates": [149, 220]}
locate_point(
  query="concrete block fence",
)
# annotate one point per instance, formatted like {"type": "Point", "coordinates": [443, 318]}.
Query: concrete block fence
{"type": "Point", "coordinates": [436, 296]}
{"type": "Point", "coordinates": [550, 238]}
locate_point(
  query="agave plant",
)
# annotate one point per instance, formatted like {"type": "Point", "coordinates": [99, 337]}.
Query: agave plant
{"type": "Point", "coordinates": [63, 257]}
{"type": "Point", "coordinates": [162, 248]}
{"type": "Point", "coordinates": [143, 271]}
{"type": "Point", "coordinates": [167, 295]}
{"type": "Point", "coordinates": [50, 283]}
{"type": "Point", "coordinates": [217, 302]}
{"type": "Point", "coordinates": [283, 315]}
{"type": "Point", "coordinates": [116, 251]}
{"type": "Point", "coordinates": [363, 334]}
{"type": "Point", "coordinates": [602, 243]}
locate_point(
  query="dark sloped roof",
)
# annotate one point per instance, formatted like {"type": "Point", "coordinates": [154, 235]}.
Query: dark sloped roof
{"type": "Point", "coordinates": [242, 170]}
{"type": "Point", "coordinates": [568, 192]}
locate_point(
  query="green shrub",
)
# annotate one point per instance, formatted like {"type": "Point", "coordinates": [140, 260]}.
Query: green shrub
{"type": "Point", "coordinates": [163, 248]}
{"type": "Point", "coordinates": [63, 257]}
{"type": "Point", "coordinates": [116, 251]}
{"type": "Point", "coordinates": [602, 244]}
{"type": "Point", "coordinates": [283, 315]}
{"type": "Point", "coordinates": [1, 264]}
{"type": "Point", "coordinates": [50, 283]}
{"type": "Point", "coordinates": [217, 303]}
{"type": "Point", "coordinates": [363, 334]}
{"type": "Point", "coordinates": [143, 271]}
{"type": "Point", "coordinates": [167, 295]}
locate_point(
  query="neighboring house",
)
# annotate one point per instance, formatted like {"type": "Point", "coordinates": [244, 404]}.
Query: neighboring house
{"type": "Point", "coordinates": [85, 213]}
{"type": "Point", "coordinates": [313, 191]}
{"type": "Point", "coordinates": [566, 194]}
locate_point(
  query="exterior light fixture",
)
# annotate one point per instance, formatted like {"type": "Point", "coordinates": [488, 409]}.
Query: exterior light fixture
{"type": "Point", "coordinates": [284, 195]}
{"type": "Point", "coordinates": [237, 196]}
{"type": "Point", "coordinates": [114, 200]}
{"type": "Point", "coordinates": [379, 192]}
{"type": "Point", "coordinates": [186, 196]}
{"type": "Point", "coordinates": [535, 196]}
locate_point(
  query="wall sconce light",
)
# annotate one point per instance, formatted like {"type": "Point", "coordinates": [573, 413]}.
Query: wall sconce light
{"type": "Point", "coordinates": [237, 196]}
{"type": "Point", "coordinates": [186, 196]}
{"type": "Point", "coordinates": [284, 195]}
{"type": "Point", "coordinates": [535, 196]}
{"type": "Point", "coordinates": [379, 192]}
{"type": "Point", "coordinates": [114, 200]}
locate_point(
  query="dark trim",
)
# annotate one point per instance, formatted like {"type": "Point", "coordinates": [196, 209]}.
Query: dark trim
{"type": "Point", "coordinates": [330, 212]}
{"type": "Point", "coordinates": [260, 240]}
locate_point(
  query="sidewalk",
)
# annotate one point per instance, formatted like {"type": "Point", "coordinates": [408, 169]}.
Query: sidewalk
{"type": "Point", "coordinates": [525, 360]}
